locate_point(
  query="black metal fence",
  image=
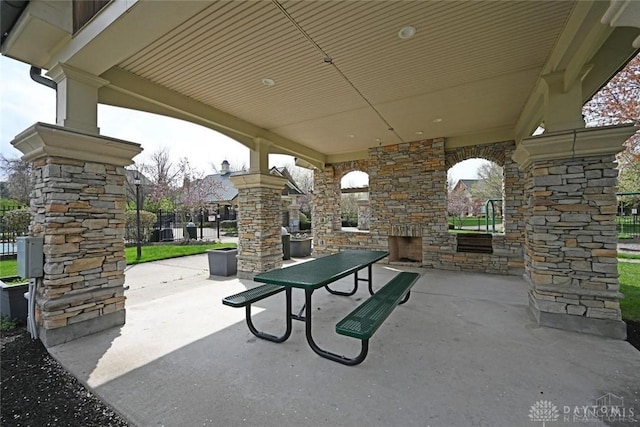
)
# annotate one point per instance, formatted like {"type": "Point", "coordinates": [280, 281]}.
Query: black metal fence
{"type": "Point", "coordinates": [629, 226]}
{"type": "Point", "coordinates": [176, 225]}
{"type": "Point", "coordinates": [11, 226]}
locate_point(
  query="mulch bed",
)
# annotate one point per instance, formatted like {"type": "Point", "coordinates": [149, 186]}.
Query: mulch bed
{"type": "Point", "coordinates": [37, 391]}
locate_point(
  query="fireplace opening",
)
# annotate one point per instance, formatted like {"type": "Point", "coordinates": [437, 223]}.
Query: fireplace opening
{"type": "Point", "coordinates": [405, 249]}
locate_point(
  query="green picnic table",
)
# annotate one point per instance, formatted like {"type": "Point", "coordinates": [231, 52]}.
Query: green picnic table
{"type": "Point", "coordinates": [321, 272]}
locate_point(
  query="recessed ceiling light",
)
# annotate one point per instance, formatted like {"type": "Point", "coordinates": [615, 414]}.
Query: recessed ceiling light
{"type": "Point", "coordinates": [351, 136]}
{"type": "Point", "coordinates": [268, 82]}
{"type": "Point", "coordinates": [407, 32]}
{"type": "Point", "coordinates": [437, 120]}
{"type": "Point", "coordinates": [378, 140]}
{"type": "Point", "coordinates": [420, 132]}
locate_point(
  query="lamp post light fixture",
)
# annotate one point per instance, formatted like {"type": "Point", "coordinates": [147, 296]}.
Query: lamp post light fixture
{"type": "Point", "coordinates": [136, 181]}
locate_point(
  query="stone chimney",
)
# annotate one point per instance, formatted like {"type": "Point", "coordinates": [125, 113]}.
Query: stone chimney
{"type": "Point", "coordinates": [224, 169]}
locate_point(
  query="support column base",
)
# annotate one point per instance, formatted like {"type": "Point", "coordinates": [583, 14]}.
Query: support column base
{"type": "Point", "coordinates": [616, 329]}
{"type": "Point", "coordinates": [53, 337]}
{"type": "Point", "coordinates": [250, 266]}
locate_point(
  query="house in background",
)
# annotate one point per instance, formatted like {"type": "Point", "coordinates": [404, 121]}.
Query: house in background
{"type": "Point", "coordinates": [463, 189]}
{"type": "Point", "coordinates": [218, 191]}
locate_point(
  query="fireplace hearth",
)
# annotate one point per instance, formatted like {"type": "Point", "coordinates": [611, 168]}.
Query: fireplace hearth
{"type": "Point", "coordinates": [405, 249]}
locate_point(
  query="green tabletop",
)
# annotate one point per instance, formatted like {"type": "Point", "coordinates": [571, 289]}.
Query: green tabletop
{"type": "Point", "coordinates": [321, 271]}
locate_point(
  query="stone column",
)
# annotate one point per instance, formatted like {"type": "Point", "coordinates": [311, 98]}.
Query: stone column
{"type": "Point", "coordinates": [78, 208]}
{"type": "Point", "coordinates": [513, 214]}
{"type": "Point", "coordinates": [259, 241]}
{"type": "Point", "coordinates": [325, 209]}
{"type": "Point", "coordinates": [570, 237]}
{"type": "Point", "coordinates": [294, 216]}
{"type": "Point", "coordinates": [364, 214]}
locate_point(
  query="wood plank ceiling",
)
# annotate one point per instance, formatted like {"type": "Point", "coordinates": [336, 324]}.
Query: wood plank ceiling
{"type": "Point", "coordinates": [468, 69]}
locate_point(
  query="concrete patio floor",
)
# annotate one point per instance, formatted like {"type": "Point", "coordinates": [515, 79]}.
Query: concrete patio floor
{"type": "Point", "coordinates": [464, 351]}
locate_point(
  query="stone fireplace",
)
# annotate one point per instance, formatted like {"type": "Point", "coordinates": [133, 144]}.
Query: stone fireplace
{"type": "Point", "coordinates": [405, 244]}
{"type": "Point", "coordinates": [405, 249]}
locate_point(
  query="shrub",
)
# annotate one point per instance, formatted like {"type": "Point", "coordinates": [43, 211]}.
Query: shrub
{"type": "Point", "coordinates": [305, 222]}
{"type": "Point", "coordinates": [147, 219]}
{"type": "Point", "coordinates": [229, 224]}
{"type": "Point", "coordinates": [17, 221]}
{"type": "Point", "coordinates": [7, 324]}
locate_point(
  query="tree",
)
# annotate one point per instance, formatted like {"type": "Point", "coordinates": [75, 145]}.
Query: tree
{"type": "Point", "coordinates": [19, 182]}
{"type": "Point", "coordinates": [629, 182]}
{"type": "Point", "coordinates": [164, 177]}
{"type": "Point", "coordinates": [619, 102]}
{"type": "Point", "coordinates": [304, 179]}
{"type": "Point", "coordinates": [197, 188]}
{"type": "Point", "coordinates": [489, 185]}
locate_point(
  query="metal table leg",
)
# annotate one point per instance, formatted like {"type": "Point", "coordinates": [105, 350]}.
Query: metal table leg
{"type": "Point", "coordinates": [265, 335]}
{"type": "Point", "coordinates": [326, 354]}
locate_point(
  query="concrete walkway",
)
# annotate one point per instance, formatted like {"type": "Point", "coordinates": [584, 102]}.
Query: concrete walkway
{"type": "Point", "coordinates": [464, 351]}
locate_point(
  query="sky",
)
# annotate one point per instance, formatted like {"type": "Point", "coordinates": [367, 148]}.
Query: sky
{"type": "Point", "coordinates": [24, 102]}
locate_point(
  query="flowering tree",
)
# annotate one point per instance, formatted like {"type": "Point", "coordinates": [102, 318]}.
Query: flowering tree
{"type": "Point", "coordinates": [619, 102]}
{"type": "Point", "coordinates": [489, 185]}
{"type": "Point", "coordinates": [457, 202]}
{"type": "Point", "coordinates": [164, 177]}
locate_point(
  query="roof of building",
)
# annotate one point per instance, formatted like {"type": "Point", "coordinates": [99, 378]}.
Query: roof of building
{"type": "Point", "coordinates": [469, 183]}
{"type": "Point", "coordinates": [223, 190]}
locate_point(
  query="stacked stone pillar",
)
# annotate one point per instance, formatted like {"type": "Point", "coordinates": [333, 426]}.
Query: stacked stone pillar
{"type": "Point", "coordinates": [570, 235]}
{"type": "Point", "coordinates": [78, 208]}
{"type": "Point", "coordinates": [513, 214]}
{"type": "Point", "coordinates": [259, 241]}
{"type": "Point", "coordinates": [364, 214]}
{"type": "Point", "coordinates": [294, 216]}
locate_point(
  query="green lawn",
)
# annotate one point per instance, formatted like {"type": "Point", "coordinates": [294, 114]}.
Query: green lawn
{"type": "Point", "coordinates": [481, 231]}
{"type": "Point", "coordinates": [9, 267]}
{"type": "Point", "coordinates": [155, 253]}
{"type": "Point", "coordinates": [630, 287]}
{"type": "Point", "coordinates": [472, 221]}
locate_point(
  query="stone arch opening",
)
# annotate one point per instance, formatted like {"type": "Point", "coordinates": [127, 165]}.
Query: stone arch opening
{"type": "Point", "coordinates": [354, 201]}
{"type": "Point", "coordinates": [505, 247]}
{"type": "Point", "coordinates": [475, 196]}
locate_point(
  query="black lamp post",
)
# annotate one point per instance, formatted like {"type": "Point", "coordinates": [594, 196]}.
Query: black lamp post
{"type": "Point", "coordinates": [136, 181]}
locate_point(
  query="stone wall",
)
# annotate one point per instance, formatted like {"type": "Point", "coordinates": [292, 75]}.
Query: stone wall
{"type": "Point", "coordinates": [408, 197]}
{"type": "Point", "coordinates": [78, 207]}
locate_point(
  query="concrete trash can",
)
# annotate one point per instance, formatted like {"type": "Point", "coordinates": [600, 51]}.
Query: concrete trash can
{"type": "Point", "coordinates": [192, 230]}
{"type": "Point", "coordinates": [286, 243]}
{"type": "Point", "coordinates": [223, 262]}
{"type": "Point", "coordinates": [286, 246]}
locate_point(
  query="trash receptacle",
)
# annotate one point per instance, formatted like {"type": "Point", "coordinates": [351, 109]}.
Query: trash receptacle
{"type": "Point", "coordinates": [286, 244]}
{"type": "Point", "coordinates": [166, 235]}
{"type": "Point", "coordinates": [192, 230]}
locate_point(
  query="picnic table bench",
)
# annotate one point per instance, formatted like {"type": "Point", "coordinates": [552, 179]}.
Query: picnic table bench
{"type": "Point", "coordinates": [361, 323]}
